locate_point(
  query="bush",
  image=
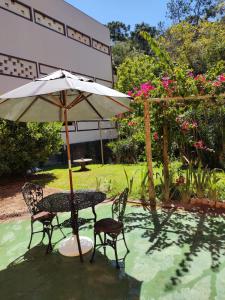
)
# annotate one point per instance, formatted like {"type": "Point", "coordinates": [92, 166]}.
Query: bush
{"type": "Point", "coordinates": [26, 145]}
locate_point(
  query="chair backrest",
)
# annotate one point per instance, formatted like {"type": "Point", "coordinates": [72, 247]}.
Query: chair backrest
{"type": "Point", "coordinates": [32, 194]}
{"type": "Point", "coordinates": [119, 205]}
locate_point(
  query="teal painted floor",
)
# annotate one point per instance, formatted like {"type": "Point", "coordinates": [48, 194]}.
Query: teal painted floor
{"type": "Point", "coordinates": [174, 255]}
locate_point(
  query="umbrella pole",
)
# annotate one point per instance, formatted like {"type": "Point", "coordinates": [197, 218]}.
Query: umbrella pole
{"type": "Point", "coordinates": [74, 210]}
{"type": "Point", "coordinates": [102, 152]}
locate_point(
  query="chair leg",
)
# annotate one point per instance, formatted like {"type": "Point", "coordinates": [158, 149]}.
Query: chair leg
{"type": "Point", "coordinates": [116, 255]}
{"type": "Point", "coordinates": [125, 241]}
{"type": "Point", "coordinates": [31, 235]}
{"type": "Point", "coordinates": [49, 233]}
{"type": "Point", "coordinates": [57, 219]}
{"type": "Point", "coordinates": [43, 235]}
{"type": "Point", "coordinates": [93, 254]}
{"type": "Point", "coordinates": [94, 213]}
{"type": "Point", "coordinates": [105, 244]}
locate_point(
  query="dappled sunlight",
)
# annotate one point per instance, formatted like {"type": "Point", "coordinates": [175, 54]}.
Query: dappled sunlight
{"type": "Point", "coordinates": [174, 255]}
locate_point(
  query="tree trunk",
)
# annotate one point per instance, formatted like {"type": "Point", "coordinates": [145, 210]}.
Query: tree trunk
{"type": "Point", "coordinates": [151, 188]}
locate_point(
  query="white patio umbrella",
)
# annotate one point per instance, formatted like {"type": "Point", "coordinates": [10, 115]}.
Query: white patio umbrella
{"type": "Point", "coordinates": [62, 96]}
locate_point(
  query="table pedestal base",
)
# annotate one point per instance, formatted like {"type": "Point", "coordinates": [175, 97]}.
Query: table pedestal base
{"type": "Point", "coordinates": [69, 246]}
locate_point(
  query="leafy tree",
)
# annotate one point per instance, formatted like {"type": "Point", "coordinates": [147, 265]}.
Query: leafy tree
{"type": "Point", "coordinates": [139, 42]}
{"type": "Point", "coordinates": [118, 31]}
{"type": "Point", "coordinates": [136, 70]}
{"type": "Point", "coordinates": [200, 46]}
{"type": "Point", "coordinates": [194, 11]}
{"type": "Point", "coordinates": [120, 51]}
{"type": "Point", "coordinates": [25, 145]}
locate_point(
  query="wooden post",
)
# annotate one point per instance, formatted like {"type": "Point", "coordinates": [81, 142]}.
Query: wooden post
{"type": "Point", "coordinates": [151, 188]}
{"type": "Point", "coordinates": [166, 174]}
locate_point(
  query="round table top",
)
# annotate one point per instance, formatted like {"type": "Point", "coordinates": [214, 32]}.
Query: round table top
{"type": "Point", "coordinates": [60, 202]}
{"type": "Point", "coordinates": [81, 160]}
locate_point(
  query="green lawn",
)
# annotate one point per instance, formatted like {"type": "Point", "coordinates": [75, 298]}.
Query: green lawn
{"type": "Point", "coordinates": [109, 178]}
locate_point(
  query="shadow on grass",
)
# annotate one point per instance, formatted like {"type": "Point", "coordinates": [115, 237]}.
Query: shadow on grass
{"type": "Point", "coordinates": [38, 276]}
{"type": "Point", "coordinates": [13, 185]}
{"type": "Point", "coordinates": [43, 179]}
{"type": "Point", "coordinates": [201, 232]}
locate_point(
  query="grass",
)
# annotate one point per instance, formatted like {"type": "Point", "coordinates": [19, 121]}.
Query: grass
{"type": "Point", "coordinates": [108, 178]}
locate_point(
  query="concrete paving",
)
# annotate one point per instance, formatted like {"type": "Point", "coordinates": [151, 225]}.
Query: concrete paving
{"type": "Point", "coordinates": [174, 255]}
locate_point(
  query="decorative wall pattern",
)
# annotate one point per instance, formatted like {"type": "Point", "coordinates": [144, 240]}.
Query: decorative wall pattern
{"type": "Point", "coordinates": [42, 19]}
{"type": "Point", "coordinates": [49, 22]}
{"type": "Point", "coordinates": [17, 8]}
{"type": "Point", "coordinates": [100, 46]}
{"type": "Point", "coordinates": [78, 36]}
{"type": "Point", "coordinates": [17, 67]}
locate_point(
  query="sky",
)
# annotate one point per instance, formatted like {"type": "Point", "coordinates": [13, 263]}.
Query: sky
{"type": "Point", "coordinates": [128, 11]}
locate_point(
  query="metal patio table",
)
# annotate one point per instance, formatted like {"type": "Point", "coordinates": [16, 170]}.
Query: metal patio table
{"type": "Point", "coordinates": [60, 202]}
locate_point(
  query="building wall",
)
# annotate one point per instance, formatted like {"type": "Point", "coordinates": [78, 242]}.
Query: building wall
{"type": "Point", "coordinates": [39, 36]}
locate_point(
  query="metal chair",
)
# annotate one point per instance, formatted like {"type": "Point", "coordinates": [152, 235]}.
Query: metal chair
{"type": "Point", "coordinates": [112, 227]}
{"type": "Point", "coordinates": [33, 194]}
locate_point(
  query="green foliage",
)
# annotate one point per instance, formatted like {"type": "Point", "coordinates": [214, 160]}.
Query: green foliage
{"type": "Point", "coordinates": [144, 184]}
{"type": "Point", "coordinates": [130, 180]}
{"type": "Point", "coordinates": [194, 10]}
{"type": "Point", "coordinates": [130, 147]}
{"type": "Point", "coordinates": [138, 41]}
{"type": "Point", "coordinates": [200, 47]}
{"type": "Point", "coordinates": [159, 52]}
{"type": "Point", "coordinates": [136, 70]}
{"type": "Point", "coordinates": [120, 51]}
{"type": "Point", "coordinates": [118, 31]}
{"type": "Point", "coordinates": [27, 145]}
{"type": "Point", "coordinates": [200, 182]}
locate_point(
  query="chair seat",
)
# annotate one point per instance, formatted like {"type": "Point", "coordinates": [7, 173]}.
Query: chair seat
{"type": "Point", "coordinates": [108, 225]}
{"type": "Point", "coordinates": [43, 215]}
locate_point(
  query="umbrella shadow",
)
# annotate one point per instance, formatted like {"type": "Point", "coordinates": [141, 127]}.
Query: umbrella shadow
{"type": "Point", "coordinates": [38, 276]}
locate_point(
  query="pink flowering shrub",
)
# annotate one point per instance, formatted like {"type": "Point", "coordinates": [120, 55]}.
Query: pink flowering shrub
{"type": "Point", "coordinates": [179, 84]}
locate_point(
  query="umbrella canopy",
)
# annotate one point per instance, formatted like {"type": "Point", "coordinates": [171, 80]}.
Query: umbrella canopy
{"type": "Point", "coordinates": [41, 100]}
{"type": "Point", "coordinates": [62, 96]}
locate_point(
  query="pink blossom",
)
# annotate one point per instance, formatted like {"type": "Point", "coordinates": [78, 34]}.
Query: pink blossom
{"type": "Point", "coordinates": [145, 88]}
{"type": "Point", "coordinates": [199, 145]}
{"type": "Point", "coordinates": [194, 124]}
{"type": "Point", "coordinates": [132, 123]}
{"type": "Point", "coordinates": [166, 82]}
{"type": "Point", "coordinates": [130, 93]}
{"type": "Point", "coordinates": [139, 94]}
{"type": "Point", "coordinates": [185, 126]}
{"type": "Point", "coordinates": [200, 77]}
{"type": "Point", "coordinates": [221, 78]}
{"type": "Point", "coordinates": [155, 136]}
{"type": "Point", "coordinates": [216, 83]}
{"type": "Point", "coordinates": [191, 74]}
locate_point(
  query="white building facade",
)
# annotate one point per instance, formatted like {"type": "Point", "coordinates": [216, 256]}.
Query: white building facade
{"type": "Point", "coordinates": [38, 37]}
